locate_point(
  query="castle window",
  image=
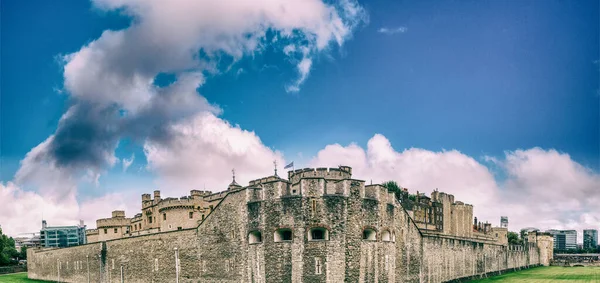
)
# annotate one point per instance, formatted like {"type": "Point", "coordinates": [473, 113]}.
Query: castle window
{"type": "Point", "coordinates": [191, 214]}
{"type": "Point", "coordinates": [254, 237]}
{"type": "Point", "coordinates": [282, 235]}
{"type": "Point", "coordinates": [314, 205]}
{"type": "Point", "coordinates": [105, 231]}
{"type": "Point", "coordinates": [150, 219]}
{"type": "Point", "coordinates": [318, 234]}
{"type": "Point", "coordinates": [179, 228]}
{"type": "Point", "coordinates": [164, 216]}
{"type": "Point", "coordinates": [386, 236]}
{"type": "Point", "coordinates": [202, 217]}
{"type": "Point", "coordinates": [369, 235]}
{"type": "Point", "coordinates": [318, 266]}
{"type": "Point", "coordinates": [115, 230]}
{"type": "Point", "coordinates": [156, 264]}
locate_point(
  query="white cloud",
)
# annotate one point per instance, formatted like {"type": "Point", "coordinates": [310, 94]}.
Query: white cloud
{"type": "Point", "coordinates": [115, 74]}
{"type": "Point", "coordinates": [23, 211]}
{"type": "Point", "coordinates": [543, 188]}
{"type": "Point", "coordinates": [128, 162]}
{"type": "Point", "coordinates": [303, 69]}
{"type": "Point", "coordinates": [390, 31]}
{"type": "Point", "coordinates": [41, 172]}
{"type": "Point", "coordinates": [203, 151]}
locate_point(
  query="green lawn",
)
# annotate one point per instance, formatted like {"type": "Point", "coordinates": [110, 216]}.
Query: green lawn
{"type": "Point", "coordinates": [549, 274]}
{"type": "Point", "coordinates": [17, 278]}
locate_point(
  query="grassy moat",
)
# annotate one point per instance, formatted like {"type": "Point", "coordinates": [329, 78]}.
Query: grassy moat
{"type": "Point", "coordinates": [536, 275]}
{"type": "Point", "coordinates": [17, 278]}
{"type": "Point", "coordinates": [549, 274]}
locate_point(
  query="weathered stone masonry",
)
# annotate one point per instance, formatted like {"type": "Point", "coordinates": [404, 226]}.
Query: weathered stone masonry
{"type": "Point", "coordinates": [320, 226]}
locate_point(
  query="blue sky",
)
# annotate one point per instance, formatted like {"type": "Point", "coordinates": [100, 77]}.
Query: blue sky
{"type": "Point", "coordinates": [481, 77]}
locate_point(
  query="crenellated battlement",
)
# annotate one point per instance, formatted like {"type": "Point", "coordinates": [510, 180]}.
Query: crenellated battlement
{"type": "Point", "coordinates": [264, 180]}
{"type": "Point", "coordinates": [342, 172]}
{"type": "Point", "coordinates": [185, 203]}
{"type": "Point", "coordinates": [113, 222]}
{"type": "Point", "coordinates": [198, 193]}
{"type": "Point", "coordinates": [462, 204]}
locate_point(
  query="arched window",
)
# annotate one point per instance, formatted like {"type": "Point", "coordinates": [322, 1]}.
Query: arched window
{"type": "Point", "coordinates": [318, 234]}
{"type": "Point", "coordinates": [254, 237]}
{"type": "Point", "coordinates": [387, 236]}
{"type": "Point", "coordinates": [369, 235]}
{"type": "Point", "coordinates": [283, 235]}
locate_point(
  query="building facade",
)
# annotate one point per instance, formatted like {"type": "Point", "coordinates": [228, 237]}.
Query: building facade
{"type": "Point", "coordinates": [159, 215]}
{"type": "Point", "coordinates": [62, 236]}
{"type": "Point", "coordinates": [590, 239]}
{"type": "Point", "coordinates": [28, 240]}
{"type": "Point", "coordinates": [564, 239]}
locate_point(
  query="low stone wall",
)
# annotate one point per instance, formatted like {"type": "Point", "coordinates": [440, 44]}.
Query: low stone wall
{"type": "Point", "coordinates": [149, 258]}
{"type": "Point", "coordinates": [448, 258]}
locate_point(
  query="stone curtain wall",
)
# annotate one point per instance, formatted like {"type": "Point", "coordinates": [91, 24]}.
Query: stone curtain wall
{"type": "Point", "coordinates": [149, 258]}
{"type": "Point", "coordinates": [50, 264]}
{"type": "Point", "coordinates": [446, 259]}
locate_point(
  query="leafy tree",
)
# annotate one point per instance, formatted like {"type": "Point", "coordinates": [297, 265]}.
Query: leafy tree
{"type": "Point", "coordinates": [523, 235]}
{"type": "Point", "coordinates": [23, 254]}
{"type": "Point", "coordinates": [7, 249]}
{"type": "Point", "coordinates": [392, 186]}
{"type": "Point", "coordinates": [513, 239]}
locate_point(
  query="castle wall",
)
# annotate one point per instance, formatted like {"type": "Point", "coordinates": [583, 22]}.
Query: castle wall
{"type": "Point", "coordinates": [461, 218]}
{"type": "Point", "coordinates": [109, 233]}
{"type": "Point", "coordinates": [148, 258]}
{"type": "Point", "coordinates": [72, 263]}
{"type": "Point", "coordinates": [448, 258]}
{"type": "Point", "coordinates": [224, 252]}
{"type": "Point", "coordinates": [368, 237]}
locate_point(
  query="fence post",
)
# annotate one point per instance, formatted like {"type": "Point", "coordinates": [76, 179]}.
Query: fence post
{"type": "Point", "coordinates": [176, 265]}
{"type": "Point", "coordinates": [87, 260]}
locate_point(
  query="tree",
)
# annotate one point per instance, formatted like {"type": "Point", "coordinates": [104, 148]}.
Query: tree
{"type": "Point", "coordinates": [513, 239]}
{"type": "Point", "coordinates": [7, 249]}
{"type": "Point", "coordinates": [23, 254]}
{"type": "Point", "coordinates": [392, 186]}
{"type": "Point", "coordinates": [523, 234]}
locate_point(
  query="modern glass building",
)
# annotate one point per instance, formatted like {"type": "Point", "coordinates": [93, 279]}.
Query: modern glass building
{"type": "Point", "coordinates": [62, 236]}
{"type": "Point", "coordinates": [590, 239]}
{"type": "Point", "coordinates": [564, 239]}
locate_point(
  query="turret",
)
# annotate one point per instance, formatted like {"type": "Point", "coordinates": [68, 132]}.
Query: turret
{"type": "Point", "coordinates": [118, 214]}
{"type": "Point", "coordinates": [157, 195]}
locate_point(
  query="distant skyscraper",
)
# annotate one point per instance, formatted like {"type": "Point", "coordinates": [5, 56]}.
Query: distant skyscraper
{"type": "Point", "coordinates": [590, 239]}
{"type": "Point", "coordinates": [504, 221]}
{"type": "Point", "coordinates": [564, 239]}
{"type": "Point", "coordinates": [62, 236]}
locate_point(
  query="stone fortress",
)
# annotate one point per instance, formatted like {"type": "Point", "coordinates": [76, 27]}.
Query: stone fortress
{"type": "Point", "coordinates": [319, 225]}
